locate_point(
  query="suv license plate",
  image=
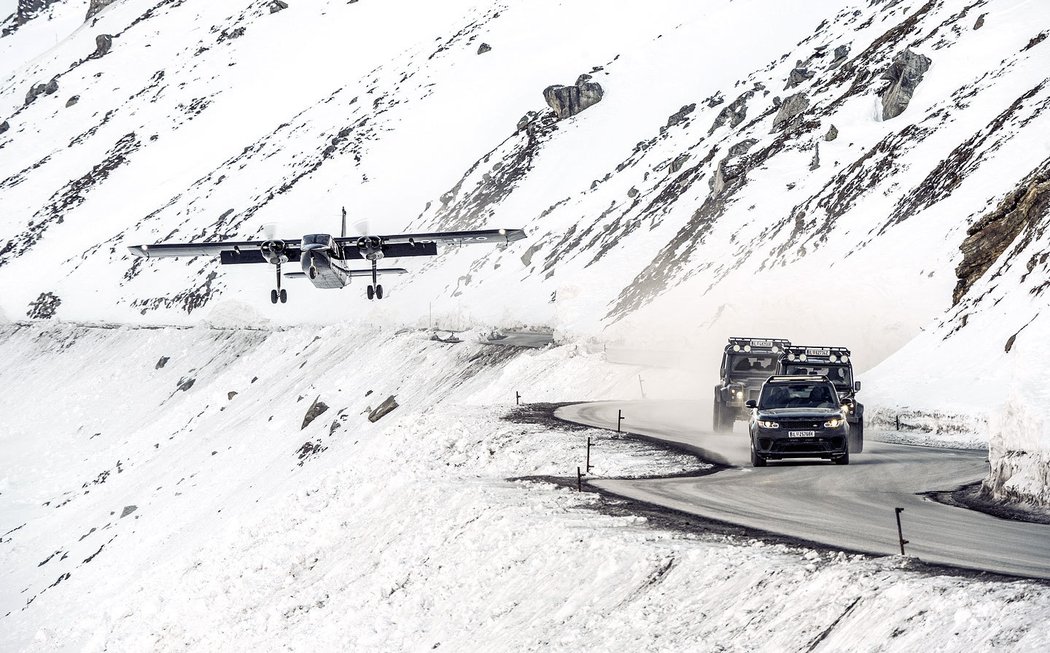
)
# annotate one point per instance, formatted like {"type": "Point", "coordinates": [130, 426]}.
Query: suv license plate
{"type": "Point", "coordinates": [802, 434]}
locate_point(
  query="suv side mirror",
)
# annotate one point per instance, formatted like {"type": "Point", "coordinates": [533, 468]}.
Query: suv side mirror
{"type": "Point", "coordinates": [856, 386]}
{"type": "Point", "coordinates": [750, 403]}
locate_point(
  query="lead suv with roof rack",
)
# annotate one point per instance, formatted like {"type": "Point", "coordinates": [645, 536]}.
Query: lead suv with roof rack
{"type": "Point", "coordinates": [746, 363]}
{"type": "Point", "coordinates": [798, 417]}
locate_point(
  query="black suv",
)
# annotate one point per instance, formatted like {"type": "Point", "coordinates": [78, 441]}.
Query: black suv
{"type": "Point", "coordinates": [835, 363]}
{"type": "Point", "coordinates": [746, 363]}
{"type": "Point", "coordinates": [798, 417]}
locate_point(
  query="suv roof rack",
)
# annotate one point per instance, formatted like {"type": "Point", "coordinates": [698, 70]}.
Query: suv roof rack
{"type": "Point", "coordinates": [764, 345]}
{"type": "Point", "coordinates": [808, 353]}
{"type": "Point", "coordinates": [787, 378]}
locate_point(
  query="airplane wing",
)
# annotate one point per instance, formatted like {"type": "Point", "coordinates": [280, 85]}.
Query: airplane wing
{"type": "Point", "coordinates": [491, 236]}
{"type": "Point", "coordinates": [230, 252]}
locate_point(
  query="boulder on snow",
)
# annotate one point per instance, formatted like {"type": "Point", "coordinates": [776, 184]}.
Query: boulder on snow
{"type": "Point", "coordinates": [567, 101]}
{"type": "Point", "coordinates": [35, 91]}
{"type": "Point", "coordinates": [73, 100]}
{"type": "Point", "coordinates": [317, 408]}
{"type": "Point", "coordinates": [383, 409]}
{"type": "Point", "coordinates": [797, 76]}
{"type": "Point", "coordinates": [483, 48]}
{"type": "Point", "coordinates": [904, 75]}
{"type": "Point", "coordinates": [51, 87]}
{"type": "Point", "coordinates": [103, 44]}
{"type": "Point", "coordinates": [277, 5]}
{"type": "Point", "coordinates": [97, 6]}
{"type": "Point", "coordinates": [733, 113]}
{"type": "Point", "coordinates": [980, 22]}
{"type": "Point", "coordinates": [29, 8]}
{"type": "Point", "coordinates": [841, 54]}
{"type": "Point", "coordinates": [4, 126]}
{"type": "Point", "coordinates": [792, 106]}
{"type": "Point", "coordinates": [833, 133]}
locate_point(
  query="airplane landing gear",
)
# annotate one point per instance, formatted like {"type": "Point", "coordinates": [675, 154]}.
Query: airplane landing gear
{"type": "Point", "coordinates": [280, 294]}
{"type": "Point", "coordinates": [375, 290]}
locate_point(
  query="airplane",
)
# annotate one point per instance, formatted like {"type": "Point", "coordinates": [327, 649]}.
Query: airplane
{"type": "Point", "coordinates": [325, 258]}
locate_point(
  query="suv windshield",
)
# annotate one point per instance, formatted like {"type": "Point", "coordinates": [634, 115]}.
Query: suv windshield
{"type": "Point", "coordinates": [762, 365]}
{"type": "Point", "coordinates": [838, 374]}
{"type": "Point", "coordinates": [798, 395]}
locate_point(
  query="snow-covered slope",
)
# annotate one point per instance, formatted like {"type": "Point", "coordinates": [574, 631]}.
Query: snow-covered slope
{"type": "Point", "coordinates": [147, 507]}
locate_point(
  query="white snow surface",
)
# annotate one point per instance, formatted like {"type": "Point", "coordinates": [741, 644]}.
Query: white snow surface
{"type": "Point", "coordinates": [404, 534]}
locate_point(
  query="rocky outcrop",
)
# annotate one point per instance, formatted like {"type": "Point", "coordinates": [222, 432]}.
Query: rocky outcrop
{"type": "Point", "coordinates": [679, 116]}
{"type": "Point", "coordinates": [103, 44]}
{"type": "Point", "coordinates": [733, 113]}
{"type": "Point", "coordinates": [29, 8]}
{"type": "Point", "coordinates": [383, 409]}
{"type": "Point", "coordinates": [97, 6]}
{"type": "Point", "coordinates": [567, 101]}
{"type": "Point", "coordinates": [990, 236]}
{"type": "Point", "coordinates": [35, 91]}
{"type": "Point", "coordinates": [833, 133]}
{"type": "Point", "coordinates": [797, 76]}
{"type": "Point", "coordinates": [790, 108]}
{"type": "Point", "coordinates": [317, 408]}
{"type": "Point", "coordinates": [4, 126]}
{"type": "Point", "coordinates": [841, 54]}
{"type": "Point", "coordinates": [725, 171]}
{"type": "Point", "coordinates": [484, 47]}
{"type": "Point", "coordinates": [277, 5]}
{"type": "Point", "coordinates": [904, 76]}
{"type": "Point", "coordinates": [45, 307]}
{"type": "Point", "coordinates": [73, 100]}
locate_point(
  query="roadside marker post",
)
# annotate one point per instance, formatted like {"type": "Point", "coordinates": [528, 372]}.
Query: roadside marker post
{"type": "Point", "coordinates": [900, 532]}
{"type": "Point", "coordinates": [619, 419]}
{"type": "Point", "coordinates": [517, 398]}
{"type": "Point", "coordinates": [588, 467]}
{"type": "Point", "coordinates": [579, 480]}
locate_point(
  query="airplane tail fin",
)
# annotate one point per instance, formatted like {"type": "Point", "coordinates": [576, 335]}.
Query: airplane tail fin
{"type": "Point", "coordinates": [343, 232]}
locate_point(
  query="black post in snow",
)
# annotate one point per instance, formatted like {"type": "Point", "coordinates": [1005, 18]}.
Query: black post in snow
{"type": "Point", "coordinates": [579, 480]}
{"type": "Point", "coordinates": [588, 455]}
{"type": "Point", "coordinates": [619, 419]}
{"type": "Point", "coordinates": [900, 532]}
{"type": "Point", "coordinates": [517, 398]}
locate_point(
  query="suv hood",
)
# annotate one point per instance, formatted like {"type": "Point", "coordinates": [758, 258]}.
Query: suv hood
{"type": "Point", "coordinates": [799, 413]}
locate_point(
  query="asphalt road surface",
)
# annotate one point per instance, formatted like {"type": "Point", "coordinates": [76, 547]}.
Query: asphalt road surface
{"type": "Point", "coordinates": [850, 506]}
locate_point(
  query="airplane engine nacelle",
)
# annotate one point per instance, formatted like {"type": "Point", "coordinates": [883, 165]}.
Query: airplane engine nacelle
{"type": "Point", "coordinates": [370, 247]}
{"type": "Point", "coordinates": [274, 251]}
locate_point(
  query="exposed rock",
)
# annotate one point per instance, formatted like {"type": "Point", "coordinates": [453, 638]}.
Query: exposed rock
{"type": "Point", "coordinates": [632, 192]}
{"type": "Point", "coordinates": [229, 35]}
{"type": "Point", "coordinates": [277, 5]}
{"type": "Point", "coordinates": [527, 119]}
{"type": "Point", "coordinates": [483, 48]}
{"type": "Point", "coordinates": [44, 307]}
{"type": "Point", "coordinates": [35, 91]}
{"type": "Point", "coordinates": [678, 163]}
{"type": "Point", "coordinates": [904, 75]}
{"type": "Point", "coordinates": [833, 133]}
{"type": "Point", "coordinates": [4, 126]}
{"type": "Point", "coordinates": [741, 147]}
{"type": "Point", "coordinates": [383, 409]}
{"type": "Point", "coordinates": [162, 362]}
{"type": "Point", "coordinates": [317, 408]}
{"type": "Point", "coordinates": [1010, 343]}
{"type": "Point", "coordinates": [815, 162]}
{"type": "Point", "coordinates": [733, 113]}
{"type": "Point", "coordinates": [103, 44]}
{"type": "Point", "coordinates": [1036, 40]}
{"type": "Point", "coordinates": [797, 76]}
{"type": "Point", "coordinates": [680, 115]}
{"type": "Point", "coordinates": [97, 6]}
{"type": "Point", "coordinates": [990, 236]}
{"type": "Point", "coordinates": [230, 395]}
{"type": "Point", "coordinates": [715, 100]}
{"type": "Point", "coordinates": [792, 106]}
{"type": "Point", "coordinates": [51, 87]}
{"type": "Point", "coordinates": [841, 54]}
{"type": "Point", "coordinates": [127, 511]}
{"type": "Point", "coordinates": [567, 101]}
{"type": "Point", "coordinates": [73, 100]}
{"type": "Point", "coordinates": [29, 8]}
{"type": "Point", "coordinates": [980, 22]}
{"type": "Point", "coordinates": [724, 172]}
{"type": "Point", "coordinates": [186, 383]}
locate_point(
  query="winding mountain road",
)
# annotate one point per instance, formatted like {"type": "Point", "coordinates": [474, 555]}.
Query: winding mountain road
{"type": "Point", "coordinates": [851, 506]}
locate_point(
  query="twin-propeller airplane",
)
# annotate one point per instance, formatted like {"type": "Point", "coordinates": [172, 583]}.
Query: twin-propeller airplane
{"type": "Point", "coordinates": [325, 259]}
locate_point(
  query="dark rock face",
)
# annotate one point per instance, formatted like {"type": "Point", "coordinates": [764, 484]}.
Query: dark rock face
{"type": "Point", "coordinates": [792, 106]}
{"type": "Point", "coordinates": [725, 171]}
{"type": "Point", "coordinates": [797, 76]}
{"type": "Point", "coordinates": [383, 409]}
{"type": "Point", "coordinates": [103, 44]}
{"type": "Point", "coordinates": [841, 54]}
{"type": "Point", "coordinates": [317, 408]}
{"type": "Point", "coordinates": [833, 133]}
{"type": "Point", "coordinates": [29, 8]}
{"type": "Point", "coordinates": [733, 113]}
{"type": "Point", "coordinates": [51, 87]}
{"type": "Point", "coordinates": [483, 48]}
{"type": "Point", "coordinates": [680, 116]}
{"type": "Point", "coordinates": [44, 307]}
{"type": "Point", "coordinates": [97, 6]}
{"type": "Point", "coordinates": [4, 126]}
{"type": "Point", "coordinates": [277, 5]}
{"type": "Point", "coordinates": [73, 100]}
{"type": "Point", "coordinates": [567, 101]}
{"type": "Point", "coordinates": [127, 511]}
{"type": "Point", "coordinates": [904, 75]}
{"type": "Point", "coordinates": [980, 22]}
{"type": "Point", "coordinates": [35, 91]}
{"type": "Point", "coordinates": [989, 237]}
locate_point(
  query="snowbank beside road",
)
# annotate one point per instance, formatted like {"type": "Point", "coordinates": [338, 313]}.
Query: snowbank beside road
{"type": "Point", "coordinates": [402, 534]}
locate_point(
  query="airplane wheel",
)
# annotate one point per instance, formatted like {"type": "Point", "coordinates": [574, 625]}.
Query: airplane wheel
{"type": "Point", "coordinates": [313, 272]}
{"type": "Point", "coordinates": [371, 292]}
{"type": "Point", "coordinates": [379, 292]}
{"type": "Point", "coordinates": [273, 296]}
{"type": "Point", "coordinates": [284, 296]}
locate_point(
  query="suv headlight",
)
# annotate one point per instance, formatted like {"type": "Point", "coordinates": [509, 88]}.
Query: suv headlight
{"type": "Point", "coordinates": [833, 423]}
{"type": "Point", "coordinates": [766, 424]}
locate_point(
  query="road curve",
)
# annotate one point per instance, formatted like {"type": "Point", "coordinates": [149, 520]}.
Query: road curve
{"type": "Point", "coordinates": [851, 507]}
